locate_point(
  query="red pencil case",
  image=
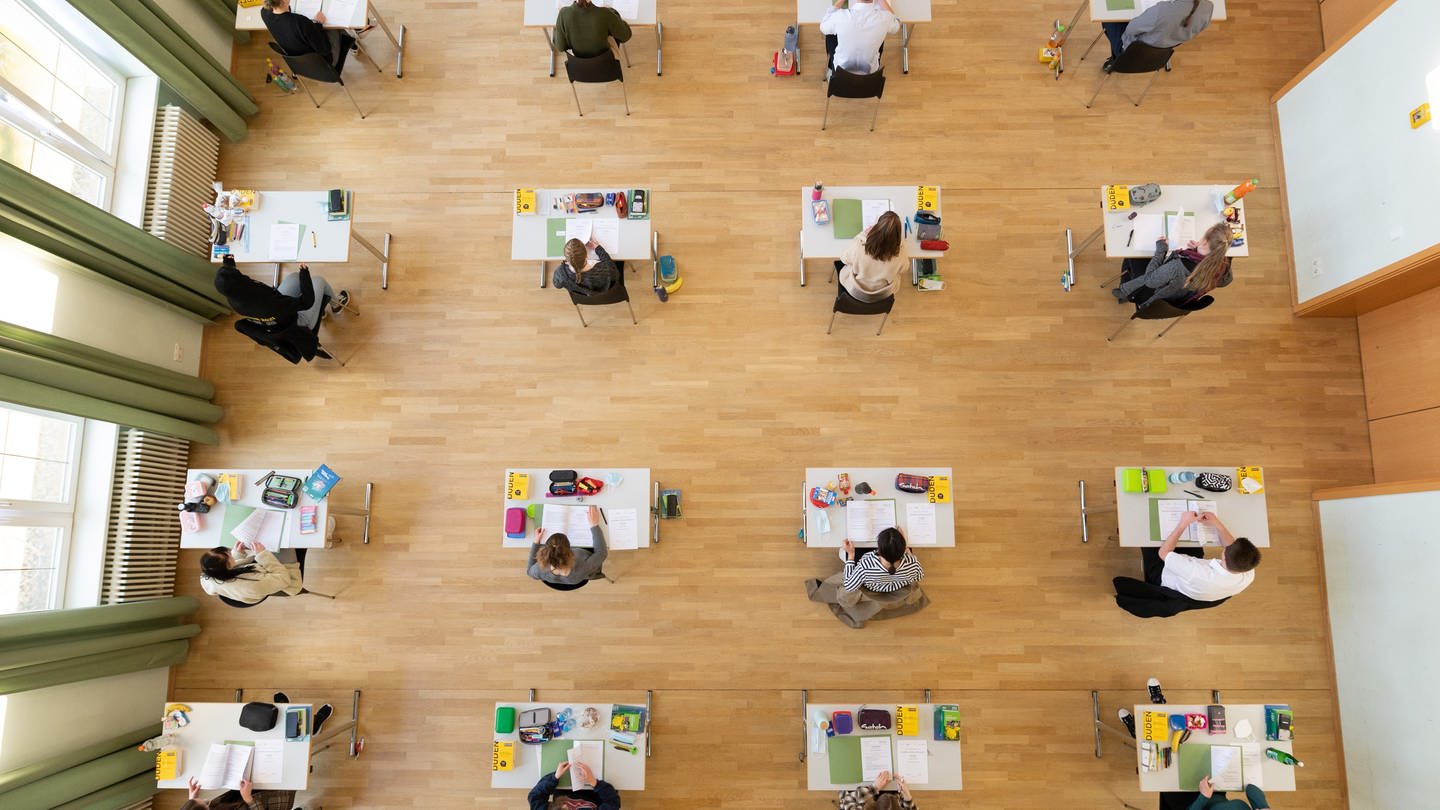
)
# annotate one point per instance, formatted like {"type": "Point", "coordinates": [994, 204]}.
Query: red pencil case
{"type": "Point", "coordinates": [935, 244]}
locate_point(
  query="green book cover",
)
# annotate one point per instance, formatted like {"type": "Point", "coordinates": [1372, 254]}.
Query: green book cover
{"type": "Point", "coordinates": [552, 754]}
{"type": "Point", "coordinates": [1194, 764]}
{"type": "Point", "coordinates": [555, 237]}
{"type": "Point", "coordinates": [844, 752]}
{"type": "Point", "coordinates": [846, 216]}
{"type": "Point", "coordinates": [235, 514]}
{"type": "Point", "coordinates": [1120, 5]}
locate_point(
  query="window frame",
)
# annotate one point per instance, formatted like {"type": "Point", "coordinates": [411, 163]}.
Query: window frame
{"type": "Point", "coordinates": [44, 514]}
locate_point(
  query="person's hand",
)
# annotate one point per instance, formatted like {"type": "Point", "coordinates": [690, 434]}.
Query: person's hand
{"type": "Point", "coordinates": [245, 787]}
{"type": "Point", "coordinates": [320, 16]}
{"type": "Point", "coordinates": [539, 535]}
{"type": "Point", "coordinates": [257, 546]}
{"type": "Point", "coordinates": [1206, 788]}
{"type": "Point", "coordinates": [241, 546]}
{"type": "Point", "coordinates": [882, 779]}
{"type": "Point", "coordinates": [1162, 240]}
{"type": "Point", "coordinates": [304, 266]}
{"type": "Point", "coordinates": [194, 788]}
{"type": "Point", "coordinates": [1208, 518]}
{"type": "Point", "coordinates": [560, 771]}
{"type": "Point", "coordinates": [583, 771]}
{"type": "Point", "coordinates": [840, 3]}
{"type": "Point", "coordinates": [849, 550]}
{"type": "Point", "coordinates": [1192, 244]}
{"type": "Point", "coordinates": [594, 512]}
{"type": "Point", "coordinates": [592, 243]}
{"type": "Point", "coordinates": [1188, 518]}
{"type": "Point", "coordinates": [904, 788]}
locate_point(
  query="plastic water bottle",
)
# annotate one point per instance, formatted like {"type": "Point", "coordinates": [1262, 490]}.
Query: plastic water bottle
{"type": "Point", "coordinates": [1283, 757]}
{"type": "Point", "coordinates": [1241, 190]}
{"type": "Point", "coordinates": [1182, 477]}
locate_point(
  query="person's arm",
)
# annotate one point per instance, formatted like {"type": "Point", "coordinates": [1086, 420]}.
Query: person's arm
{"type": "Point", "coordinates": [855, 799]}
{"type": "Point", "coordinates": [1144, 23]}
{"type": "Point", "coordinates": [609, 797]}
{"type": "Point", "coordinates": [894, 18]}
{"type": "Point", "coordinates": [531, 567]}
{"type": "Point", "coordinates": [619, 29]}
{"type": "Point", "coordinates": [830, 23]}
{"type": "Point", "coordinates": [1207, 795]}
{"type": "Point", "coordinates": [854, 574]}
{"type": "Point", "coordinates": [539, 797]}
{"type": "Point", "coordinates": [1211, 519]}
{"type": "Point", "coordinates": [593, 563]}
{"type": "Point", "coordinates": [562, 31]}
{"type": "Point", "coordinates": [307, 291]}
{"type": "Point", "coordinates": [1174, 538]}
{"type": "Point", "coordinates": [315, 37]}
{"type": "Point", "coordinates": [1162, 249]}
{"type": "Point", "coordinates": [919, 569]}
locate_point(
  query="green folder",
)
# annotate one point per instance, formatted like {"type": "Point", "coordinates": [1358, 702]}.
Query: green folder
{"type": "Point", "coordinates": [844, 753]}
{"type": "Point", "coordinates": [1194, 765]}
{"type": "Point", "coordinates": [235, 514]}
{"type": "Point", "coordinates": [555, 752]}
{"type": "Point", "coordinates": [555, 237]}
{"type": "Point", "coordinates": [1119, 5]}
{"type": "Point", "coordinates": [846, 216]}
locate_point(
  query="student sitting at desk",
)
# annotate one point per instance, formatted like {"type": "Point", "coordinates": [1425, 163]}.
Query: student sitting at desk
{"type": "Point", "coordinates": [1187, 570]}
{"type": "Point", "coordinates": [552, 559]}
{"type": "Point", "coordinates": [246, 798]}
{"type": "Point", "coordinates": [1164, 25]}
{"type": "Point", "coordinates": [250, 574]}
{"type": "Point", "coordinates": [890, 567]}
{"type": "Point", "coordinates": [1210, 800]}
{"type": "Point", "coordinates": [855, 36]}
{"type": "Point", "coordinates": [585, 29]}
{"type": "Point", "coordinates": [869, 268]}
{"type": "Point", "coordinates": [298, 35]}
{"type": "Point", "coordinates": [546, 795]}
{"type": "Point", "coordinates": [875, 797]}
{"type": "Point", "coordinates": [1179, 277]}
{"type": "Point", "coordinates": [581, 276]}
{"type": "Point", "coordinates": [882, 584]}
{"type": "Point", "coordinates": [298, 299]}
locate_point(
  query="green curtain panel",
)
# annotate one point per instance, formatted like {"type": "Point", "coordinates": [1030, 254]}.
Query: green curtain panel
{"type": "Point", "coordinates": [141, 28]}
{"type": "Point", "coordinates": [36, 212]}
{"type": "Point", "coordinates": [53, 647]}
{"type": "Point", "coordinates": [106, 775]}
{"type": "Point", "coordinates": [223, 12]}
{"type": "Point", "coordinates": [55, 374]}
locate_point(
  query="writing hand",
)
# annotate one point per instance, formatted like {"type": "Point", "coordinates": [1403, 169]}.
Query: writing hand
{"type": "Point", "coordinates": [882, 779]}
{"type": "Point", "coordinates": [194, 788]}
{"type": "Point", "coordinates": [849, 549]}
{"type": "Point", "coordinates": [1162, 239]}
{"type": "Point", "coordinates": [594, 516]}
{"type": "Point", "coordinates": [1206, 788]}
{"type": "Point", "coordinates": [904, 787]}
{"type": "Point", "coordinates": [560, 771]}
{"type": "Point", "coordinates": [1208, 517]}
{"type": "Point", "coordinates": [245, 787]}
{"type": "Point", "coordinates": [539, 535]}
{"type": "Point", "coordinates": [320, 16]}
{"type": "Point", "coordinates": [593, 243]}
{"type": "Point", "coordinates": [257, 546]}
{"type": "Point", "coordinates": [241, 546]}
{"type": "Point", "coordinates": [1189, 517]}
{"type": "Point", "coordinates": [1192, 244]}
{"type": "Point", "coordinates": [583, 771]}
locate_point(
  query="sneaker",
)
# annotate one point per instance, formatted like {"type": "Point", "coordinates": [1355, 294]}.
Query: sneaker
{"type": "Point", "coordinates": [1109, 65]}
{"type": "Point", "coordinates": [281, 697]}
{"type": "Point", "coordinates": [1129, 720]}
{"type": "Point", "coordinates": [1156, 696]}
{"type": "Point", "coordinates": [338, 302]}
{"type": "Point", "coordinates": [321, 715]}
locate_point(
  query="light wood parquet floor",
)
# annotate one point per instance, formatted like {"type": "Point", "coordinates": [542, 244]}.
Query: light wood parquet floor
{"type": "Point", "coordinates": [465, 366]}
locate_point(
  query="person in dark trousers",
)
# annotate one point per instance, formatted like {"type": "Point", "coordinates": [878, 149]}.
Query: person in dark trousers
{"type": "Point", "coordinates": [547, 795]}
{"type": "Point", "coordinates": [585, 29]}
{"type": "Point", "coordinates": [1164, 25]}
{"type": "Point", "coordinates": [1210, 799]}
{"type": "Point", "coordinates": [1179, 277]}
{"type": "Point", "coordinates": [298, 299]}
{"type": "Point", "coordinates": [298, 35]}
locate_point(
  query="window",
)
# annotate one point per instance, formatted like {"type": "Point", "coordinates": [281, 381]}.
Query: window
{"type": "Point", "coordinates": [59, 105]}
{"type": "Point", "coordinates": [39, 459]}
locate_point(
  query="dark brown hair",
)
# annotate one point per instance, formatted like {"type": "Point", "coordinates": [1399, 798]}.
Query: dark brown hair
{"type": "Point", "coordinates": [1241, 556]}
{"type": "Point", "coordinates": [890, 545]}
{"type": "Point", "coordinates": [882, 241]}
{"type": "Point", "coordinates": [215, 564]}
{"type": "Point", "coordinates": [555, 553]}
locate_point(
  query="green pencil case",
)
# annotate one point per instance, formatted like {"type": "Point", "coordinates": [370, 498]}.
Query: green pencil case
{"type": "Point", "coordinates": [504, 719]}
{"type": "Point", "coordinates": [1131, 480]}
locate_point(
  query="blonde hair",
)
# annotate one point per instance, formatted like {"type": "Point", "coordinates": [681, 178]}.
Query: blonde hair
{"type": "Point", "coordinates": [575, 255]}
{"type": "Point", "coordinates": [1211, 269]}
{"type": "Point", "coordinates": [555, 553]}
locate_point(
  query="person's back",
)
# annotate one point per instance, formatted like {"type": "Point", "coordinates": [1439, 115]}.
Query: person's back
{"type": "Point", "coordinates": [585, 29]}
{"type": "Point", "coordinates": [859, 32]}
{"type": "Point", "coordinates": [1169, 24]}
{"type": "Point", "coordinates": [295, 33]}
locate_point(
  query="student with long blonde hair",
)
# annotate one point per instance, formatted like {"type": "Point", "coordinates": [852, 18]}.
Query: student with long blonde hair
{"type": "Point", "coordinates": [1180, 277]}
{"type": "Point", "coordinates": [554, 560]}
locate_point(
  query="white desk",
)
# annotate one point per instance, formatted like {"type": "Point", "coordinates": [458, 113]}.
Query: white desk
{"type": "Point", "coordinates": [1274, 775]}
{"type": "Point", "coordinates": [321, 240]}
{"type": "Point", "coordinates": [249, 19]}
{"type": "Point", "coordinates": [1100, 11]}
{"type": "Point", "coordinates": [633, 492]}
{"type": "Point", "coordinates": [1116, 226]}
{"type": "Point", "coordinates": [882, 481]}
{"type": "Point", "coordinates": [810, 12]}
{"type": "Point", "coordinates": [542, 13]}
{"type": "Point", "coordinates": [210, 522]}
{"type": "Point", "coordinates": [819, 242]}
{"type": "Point", "coordinates": [944, 754]}
{"type": "Point", "coordinates": [529, 240]}
{"type": "Point", "coordinates": [1243, 515]}
{"type": "Point", "coordinates": [626, 771]}
{"type": "Point", "coordinates": [213, 723]}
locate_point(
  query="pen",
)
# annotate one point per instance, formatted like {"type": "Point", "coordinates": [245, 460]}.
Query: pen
{"type": "Point", "coordinates": [602, 517]}
{"type": "Point", "coordinates": [1131, 238]}
{"type": "Point", "coordinates": [314, 245]}
{"type": "Point", "coordinates": [1196, 494]}
{"type": "Point", "coordinates": [907, 226]}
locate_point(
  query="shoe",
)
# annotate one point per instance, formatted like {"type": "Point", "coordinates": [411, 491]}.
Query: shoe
{"type": "Point", "coordinates": [1109, 65]}
{"type": "Point", "coordinates": [281, 697]}
{"type": "Point", "coordinates": [337, 304]}
{"type": "Point", "coordinates": [321, 715]}
{"type": "Point", "coordinates": [1156, 696]}
{"type": "Point", "coordinates": [324, 355]}
{"type": "Point", "coordinates": [1129, 720]}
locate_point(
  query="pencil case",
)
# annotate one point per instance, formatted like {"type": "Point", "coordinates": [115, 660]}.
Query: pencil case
{"type": "Point", "coordinates": [515, 521]}
{"type": "Point", "coordinates": [504, 719]}
{"type": "Point", "coordinates": [589, 201]}
{"type": "Point", "coordinates": [842, 722]}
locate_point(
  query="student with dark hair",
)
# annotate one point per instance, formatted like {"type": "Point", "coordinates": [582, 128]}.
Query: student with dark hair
{"type": "Point", "coordinates": [249, 573]}
{"type": "Point", "coordinates": [855, 33]}
{"type": "Point", "coordinates": [581, 276]}
{"type": "Point", "coordinates": [1164, 25]}
{"type": "Point", "coordinates": [875, 797]}
{"type": "Point", "coordinates": [553, 559]}
{"type": "Point", "coordinates": [585, 29]}
{"type": "Point", "coordinates": [870, 267]}
{"type": "Point", "coordinates": [890, 567]}
{"type": "Point", "coordinates": [1189, 572]}
{"type": "Point", "coordinates": [298, 35]}
{"type": "Point", "coordinates": [1179, 277]}
{"type": "Point", "coordinates": [246, 798]}
{"type": "Point", "coordinates": [547, 795]}
{"type": "Point", "coordinates": [298, 299]}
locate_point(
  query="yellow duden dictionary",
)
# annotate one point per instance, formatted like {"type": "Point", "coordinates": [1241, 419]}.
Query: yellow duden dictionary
{"type": "Point", "coordinates": [1155, 726]}
{"type": "Point", "coordinates": [907, 721]}
{"type": "Point", "coordinates": [502, 756]}
{"type": "Point", "coordinates": [167, 764]}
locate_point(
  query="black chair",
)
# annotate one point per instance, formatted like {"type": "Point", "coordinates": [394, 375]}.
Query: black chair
{"type": "Point", "coordinates": [574, 587]}
{"type": "Point", "coordinates": [1158, 309]}
{"type": "Point", "coordinates": [1139, 598]}
{"type": "Point", "coordinates": [850, 305]}
{"type": "Point", "coordinates": [316, 67]}
{"type": "Point", "coordinates": [600, 69]}
{"type": "Point", "coordinates": [845, 84]}
{"type": "Point", "coordinates": [614, 295]}
{"type": "Point", "coordinates": [1138, 58]}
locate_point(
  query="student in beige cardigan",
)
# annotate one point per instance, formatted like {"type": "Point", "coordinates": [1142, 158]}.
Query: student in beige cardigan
{"type": "Point", "coordinates": [249, 574]}
{"type": "Point", "coordinates": [870, 266]}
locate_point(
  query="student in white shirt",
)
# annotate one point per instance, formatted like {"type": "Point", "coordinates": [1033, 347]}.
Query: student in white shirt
{"type": "Point", "coordinates": [855, 36]}
{"type": "Point", "coordinates": [1187, 570]}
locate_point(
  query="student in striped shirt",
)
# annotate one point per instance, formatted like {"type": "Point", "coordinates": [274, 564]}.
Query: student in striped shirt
{"type": "Point", "coordinates": [890, 567]}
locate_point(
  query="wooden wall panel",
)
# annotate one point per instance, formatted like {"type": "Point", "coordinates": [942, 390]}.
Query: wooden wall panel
{"type": "Point", "coordinates": [1400, 355]}
{"type": "Point", "coordinates": [1340, 17]}
{"type": "Point", "coordinates": [1406, 447]}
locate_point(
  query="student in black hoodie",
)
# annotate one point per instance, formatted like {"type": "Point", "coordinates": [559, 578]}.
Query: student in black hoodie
{"type": "Point", "coordinates": [298, 35]}
{"type": "Point", "coordinates": [297, 300]}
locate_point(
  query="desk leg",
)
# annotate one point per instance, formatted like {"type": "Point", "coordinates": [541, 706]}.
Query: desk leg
{"type": "Point", "coordinates": [655, 511]}
{"type": "Point", "coordinates": [1099, 726]}
{"type": "Point", "coordinates": [905, 32]}
{"type": "Point", "coordinates": [355, 744]}
{"type": "Point", "coordinates": [549, 48]}
{"type": "Point", "coordinates": [278, 265]}
{"type": "Point", "coordinates": [804, 722]}
{"type": "Point", "coordinates": [544, 266]}
{"type": "Point", "coordinates": [1071, 251]}
{"type": "Point", "coordinates": [654, 259]}
{"type": "Point", "coordinates": [398, 42]}
{"type": "Point", "coordinates": [1215, 696]}
{"type": "Point", "coordinates": [650, 713]}
{"type": "Point", "coordinates": [1085, 511]}
{"type": "Point", "coordinates": [365, 514]}
{"type": "Point", "coordinates": [797, 49]}
{"type": "Point", "coordinates": [802, 258]}
{"type": "Point", "coordinates": [382, 255]}
{"type": "Point", "coordinates": [804, 513]}
{"type": "Point", "coordinates": [659, 44]}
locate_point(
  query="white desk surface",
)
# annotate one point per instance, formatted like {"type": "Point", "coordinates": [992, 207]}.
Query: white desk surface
{"type": "Point", "coordinates": [1200, 199]}
{"type": "Point", "coordinates": [944, 754]}
{"type": "Point", "coordinates": [819, 242]}
{"type": "Point", "coordinates": [1100, 12]}
{"type": "Point", "coordinates": [1275, 775]}
{"type": "Point", "coordinates": [882, 480]}
{"type": "Point", "coordinates": [633, 492]}
{"type": "Point", "coordinates": [809, 12]}
{"type": "Point", "coordinates": [248, 19]}
{"type": "Point", "coordinates": [210, 522]}
{"type": "Point", "coordinates": [541, 13]}
{"type": "Point", "coordinates": [623, 770]}
{"type": "Point", "coordinates": [332, 239]}
{"type": "Point", "coordinates": [528, 240]}
{"type": "Point", "coordinates": [1243, 515]}
{"type": "Point", "coordinates": [212, 723]}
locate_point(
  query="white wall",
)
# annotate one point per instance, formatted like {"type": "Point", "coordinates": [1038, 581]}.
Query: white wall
{"type": "Point", "coordinates": [1382, 563]}
{"type": "Point", "coordinates": [218, 41]}
{"type": "Point", "coordinates": [1359, 181]}
{"type": "Point", "coordinates": [44, 722]}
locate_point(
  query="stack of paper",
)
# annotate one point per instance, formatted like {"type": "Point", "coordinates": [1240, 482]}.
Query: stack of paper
{"type": "Point", "coordinates": [226, 765]}
{"type": "Point", "coordinates": [865, 519]}
{"type": "Point", "coordinates": [572, 521]}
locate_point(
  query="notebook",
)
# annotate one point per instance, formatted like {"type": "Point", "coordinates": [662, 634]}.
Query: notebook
{"type": "Point", "coordinates": [225, 765]}
{"type": "Point", "coordinates": [865, 519]}
{"type": "Point", "coordinates": [847, 218]}
{"type": "Point", "coordinates": [1222, 763]}
{"type": "Point", "coordinates": [573, 521]}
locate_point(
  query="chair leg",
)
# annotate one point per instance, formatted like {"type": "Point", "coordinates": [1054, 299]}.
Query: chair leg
{"type": "Point", "coordinates": [832, 321]}
{"type": "Point", "coordinates": [882, 323]}
{"type": "Point", "coordinates": [626, 95]}
{"type": "Point", "coordinates": [577, 104]}
{"type": "Point", "coordinates": [1098, 88]}
{"type": "Point", "coordinates": [333, 355]}
{"type": "Point", "coordinates": [353, 101]}
{"type": "Point", "coordinates": [876, 115]}
{"type": "Point", "coordinates": [1153, 77]}
{"type": "Point", "coordinates": [315, 593]}
{"type": "Point", "coordinates": [1168, 328]}
{"type": "Point", "coordinates": [1092, 45]}
{"type": "Point", "coordinates": [1109, 281]}
{"type": "Point", "coordinates": [581, 314]}
{"type": "Point", "coordinates": [632, 312]}
{"type": "Point", "coordinates": [625, 51]}
{"type": "Point", "coordinates": [302, 83]}
{"type": "Point", "coordinates": [1117, 332]}
{"type": "Point", "coordinates": [360, 49]}
{"type": "Point", "coordinates": [824, 120]}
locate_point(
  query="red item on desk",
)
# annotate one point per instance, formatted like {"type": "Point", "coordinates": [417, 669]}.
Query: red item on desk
{"type": "Point", "coordinates": [935, 244]}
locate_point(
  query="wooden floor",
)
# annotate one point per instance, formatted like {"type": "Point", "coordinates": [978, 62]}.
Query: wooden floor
{"type": "Point", "coordinates": [732, 388]}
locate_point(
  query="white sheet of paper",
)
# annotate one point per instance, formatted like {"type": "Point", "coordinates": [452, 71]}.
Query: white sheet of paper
{"type": "Point", "coordinates": [265, 525]}
{"type": "Point", "coordinates": [920, 524]}
{"type": "Point", "coordinates": [1180, 228]}
{"type": "Point", "coordinates": [306, 8]}
{"type": "Point", "coordinates": [1225, 764]}
{"type": "Point", "coordinates": [912, 761]}
{"type": "Point", "coordinates": [1148, 229]}
{"type": "Point", "coordinates": [341, 12]}
{"type": "Point", "coordinates": [1199, 532]}
{"type": "Point", "coordinates": [590, 752]}
{"type": "Point", "coordinates": [865, 519]}
{"type": "Point", "coordinates": [269, 762]}
{"type": "Point", "coordinates": [870, 210]}
{"type": "Point", "coordinates": [629, 9]}
{"type": "Point", "coordinates": [284, 242]}
{"type": "Point", "coordinates": [874, 757]}
{"type": "Point", "coordinates": [1252, 757]}
{"type": "Point", "coordinates": [1145, 5]}
{"type": "Point", "coordinates": [225, 766]}
{"type": "Point", "coordinates": [1170, 511]}
{"type": "Point", "coordinates": [574, 521]}
{"type": "Point", "coordinates": [577, 229]}
{"type": "Point", "coordinates": [624, 528]}
{"type": "Point", "coordinates": [607, 233]}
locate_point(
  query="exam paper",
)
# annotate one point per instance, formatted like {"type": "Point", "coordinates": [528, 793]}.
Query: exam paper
{"type": "Point", "coordinates": [225, 766]}
{"type": "Point", "coordinates": [1148, 230]}
{"type": "Point", "coordinates": [1225, 764]}
{"type": "Point", "coordinates": [590, 752]}
{"type": "Point", "coordinates": [920, 524]}
{"type": "Point", "coordinates": [573, 521]}
{"type": "Point", "coordinates": [865, 519]}
{"type": "Point", "coordinates": [870, 210]}
{"type": "Point", "coordinates": [624, 528]}
{"type": "Point", "coordinates": [269, 762]}
{"type": "Point", "coordinates": [343, 12]}
{"type": "Point", "coordinates": [577, 229]}
{"type": "Point", "coordinates": [1181, 229]}
{"type": "Point", "coordinates": [284, 242]}
{"type": "Point", "coordinates": [912, 761]}
{"type": "Point", "coordinates": [1252, 759]}
{"type": "Point", "coordinates": [607, 233]}
{"type": "Point", "coordinates": [874, 757]}
{"type": "Point", "coordinates": [629, 9]}
{"type": "Point", "coordinates": [306, 8]}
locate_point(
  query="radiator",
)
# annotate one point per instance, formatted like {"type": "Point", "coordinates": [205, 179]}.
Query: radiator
{"type": "Point", "coordinates": [142, 538]}
{"type": "Point", "coordinates": [183, 160]}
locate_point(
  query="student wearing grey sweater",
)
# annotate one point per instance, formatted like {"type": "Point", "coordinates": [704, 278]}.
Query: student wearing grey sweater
{"type": "Point", "coordinates": [552, 559]}
{"type": "Point", "coordinates": [1164, 25]}
{"type": "Point", "coordinates": [1179, 277]}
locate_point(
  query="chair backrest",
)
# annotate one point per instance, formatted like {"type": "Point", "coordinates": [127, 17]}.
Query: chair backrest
{"type": "Point", "coordinates": [310, 65]}
{"type": "Point", "coordinates": [236, 603]}
{"type": "Point", "coordinates": [593, 69]}
{"type": "Point", "coordinates": [572, 587]}
{"type": "Point", "coordinates": [845, 84]}
{"type": "Point", "coordinates": [614, 295]}
{"type": "Point", "coordinates": [294, 343]}
{"type": "Point", "coordinates": [1159, 309]}
{"type": "Point", "coordinates": [850, 305]}
{"type": "Point", "coordinates": [1159, 601]}
{"type": "Point", "coordinates": [1141, 58]}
